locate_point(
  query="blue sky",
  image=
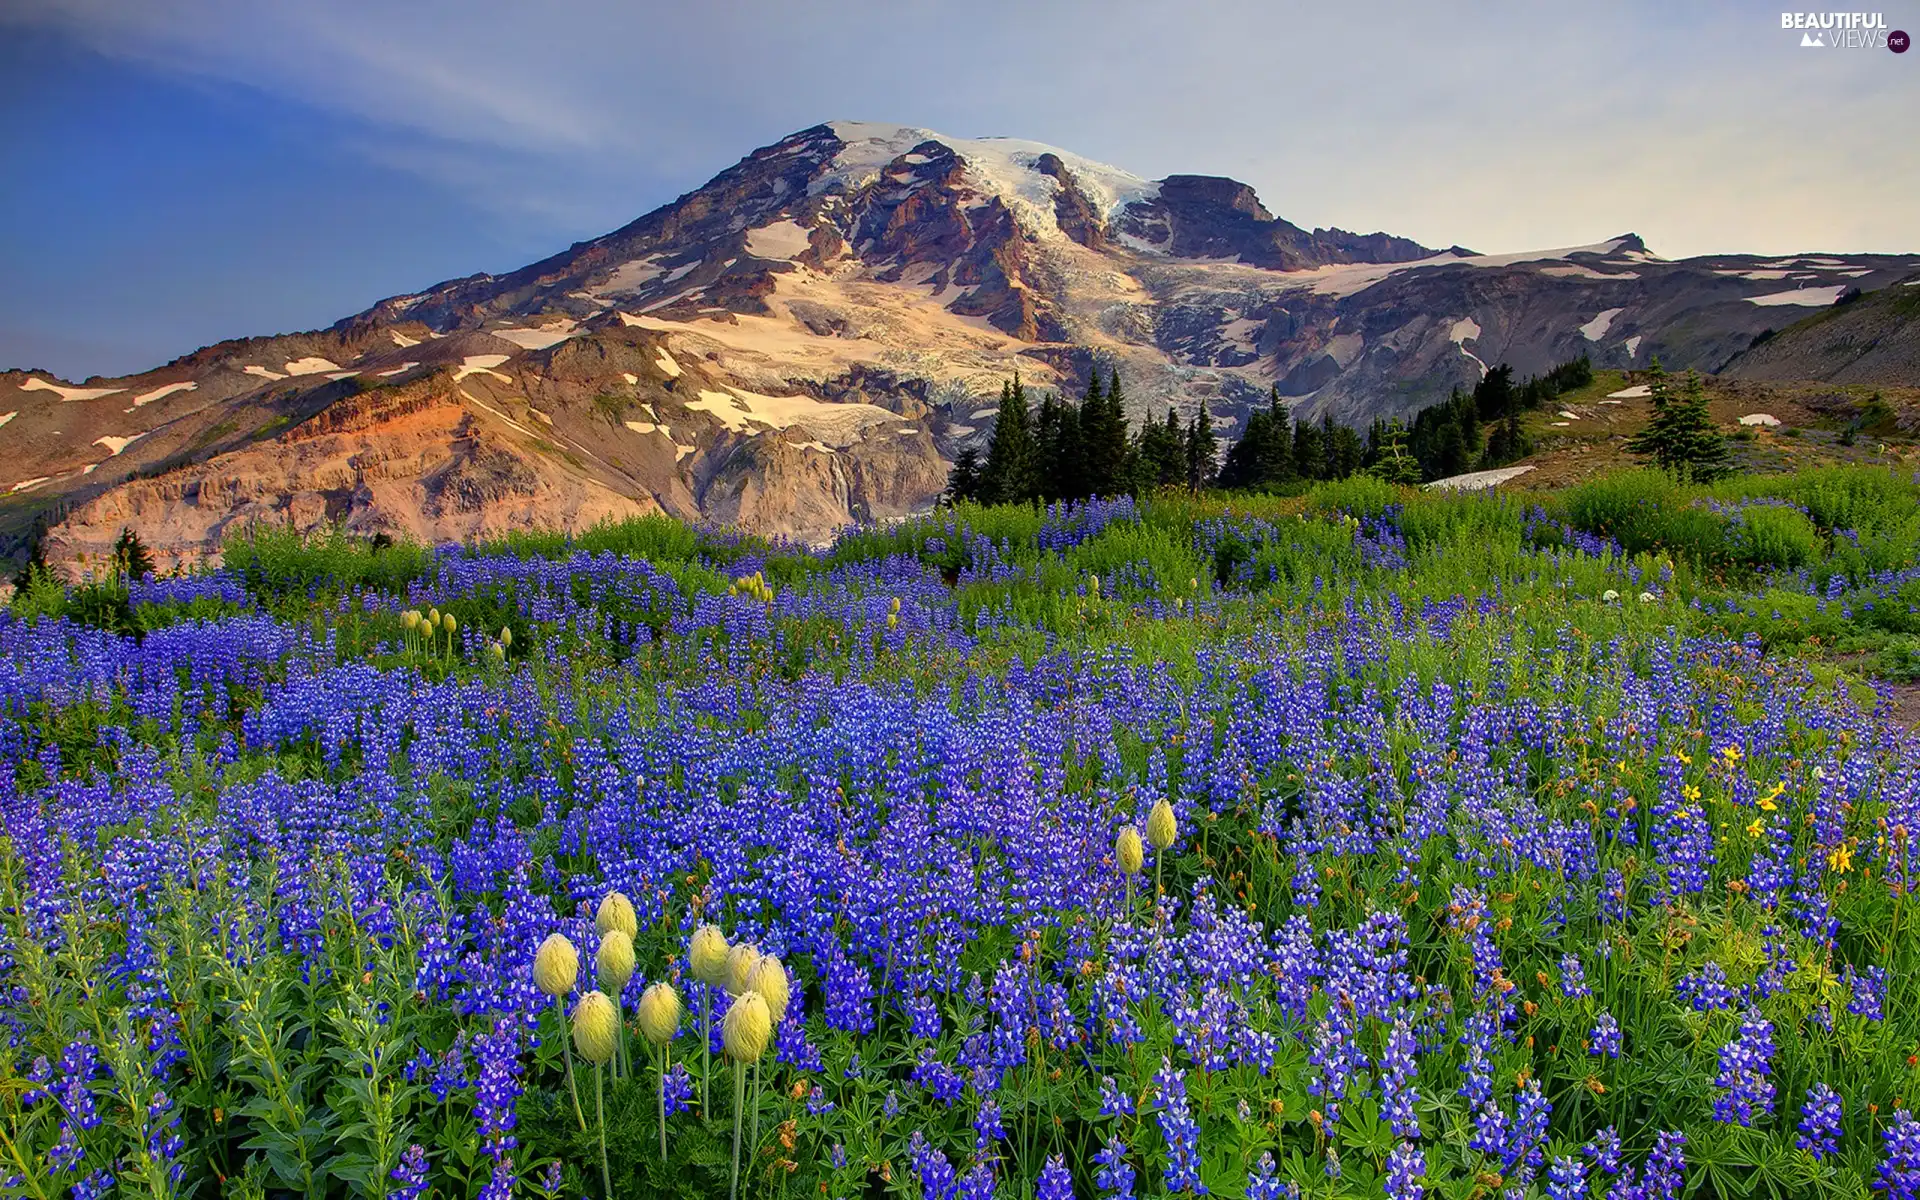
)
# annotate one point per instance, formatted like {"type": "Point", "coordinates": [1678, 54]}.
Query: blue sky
{"type": "Point", "coordinates": [182, 171]}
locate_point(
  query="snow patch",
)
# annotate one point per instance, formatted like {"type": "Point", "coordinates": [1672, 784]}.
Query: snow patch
{"type": "Point", "coordinates": [680, 452]}
{"type": "Point", "coordinates": [677, 273]}
{"type": "Point", "coordinates": [26, 484]}
{"type": "Point", "coordinates": [1003, 167]}
{"type": "Point", "coordinates": [37, 384]}
{"type": "Point", "coordinates": [782, 239]}
{"type": "Point", "coordinates": [955, 430]}
{"type": "Point", "coordinates": [1636, 392]}
{"type": "Point", "coordinates": [5, 417]}
{"type": "Point", "coordinates": [1759, 419]}
{"type": "Point", "coordinates": [1575, 271]}
{"type": "Point", "coordinates": [115, 445]}
{"type": "Point", "coordinates": [481, 364]}
{"type": "Point", "coordinates": [161, 393]}
{"type": "Point", "coordinates": [1475, 480]}
{"type": "Point", "coordinates": [537, 339]}
{"type": "Point", "coordinates": [1571, 416]}
{"type": "Point", "coordinates": [741, 410]}
{"type": "Point", "coordinates": [629, 276]}
{"type": "Point", "coordinates": [263, 373]}
{"type": "Point", "coordinates": [981, 414]}
{"type": "Point", "coordinates": [1596, 329]}
{"type": "Point", "coordinates": [402, 340]}
{"type": "Point", "coordinates": [469, 398]}
{"type": "Point", "coordinates": [311, 365]}
{"type": "Point", "coordinates": [648, 427]}
{"type": "Point", "coordinates": [1762, 274]}
{"type": "Point", "coordinates": [630, 377]}
{"type": "Point", "coordinates": [399, 370]}
{"type": "Point", "coordinates": [665, 362]}
{"type": "Point", "coordinates": [1633, 346]}
{"type": "Point", "coordinates": [337, 376]}
{"type": "Point", "coordinates": [1464, 330]}
{"type": "Point", "coordinates": [1811, 296]}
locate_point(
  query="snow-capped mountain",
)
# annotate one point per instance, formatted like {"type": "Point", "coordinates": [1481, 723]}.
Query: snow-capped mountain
{"type": "Point", "coordinates": [810, 337]}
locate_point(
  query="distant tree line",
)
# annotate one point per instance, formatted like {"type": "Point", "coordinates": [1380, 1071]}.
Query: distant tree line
{"type": "Point", "coordinates": [1067, 451]}
{"type": "Point", "coordinates": [1064, 451]}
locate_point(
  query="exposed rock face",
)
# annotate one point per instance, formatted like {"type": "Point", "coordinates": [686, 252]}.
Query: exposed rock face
{"type": "Point", "coordinates": [810, 338]}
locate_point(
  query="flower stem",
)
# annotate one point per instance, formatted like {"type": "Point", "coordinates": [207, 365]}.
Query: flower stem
{"type": "Point", "coordinates": [666, 1061]}
{"type": "Point", "coordinates": [739, 1101]}
{"type": "Point", "coordinates": [566, 1046]}
{"type": "Point", "coordinates": [600, 1111]}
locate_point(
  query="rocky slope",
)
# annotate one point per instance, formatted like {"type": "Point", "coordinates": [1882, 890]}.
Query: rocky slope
{"type": "Point", "coordinates": [1871, 339]}
{"type": "Point", "coordinates": [808, 340]}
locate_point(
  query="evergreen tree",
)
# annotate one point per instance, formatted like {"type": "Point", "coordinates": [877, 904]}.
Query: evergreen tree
{"type": "Point", "coordinates": [1063, 457]}
{"type": "Point", "coordinates": [1309, 461]}
{"type": "Point", "coordinates": [1387, 452]}
{"type": "Point", "coordinates": [1103, 437]}
{"type": "Point", "coordinates": [36, 558]}
{"type": "Point", "coordinates": [130, 557]}
{"type": "Point", "coordinates": [963, 484]}
{"type": "Point", "coordinates": [1011, 475]}
{"type": "Point", "coordinates": [1493, 396]}
{"type": "Point", "coordinates": [1681, 437]}
{"type": "Point", "coordinates": [1344, 452]}
{"type": "Point", "coordinates": [1275, 459]}
{"type": "Point", "coordinates": [1241, 468]}
{"type": "Point", "coordinates": [1201, 448]}
{"type": "Point", "coordinates": [1160, 453]}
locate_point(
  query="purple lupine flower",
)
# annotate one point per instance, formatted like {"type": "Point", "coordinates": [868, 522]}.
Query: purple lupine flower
{"type": "Point", "coordinates": [1115, 1175]}
{"type": "Point", "coordinates": [1745, 1073]}
{"type": "Point", "coordinates": [1181, 1131]}
{"type": "Point", "coordinates": [987, 1128]}
{"type": "Point", "coordinates": [1054, 1182]}
{"type": "Point", "coordinates": [1573, 977]}
{"type": "Point", "coordinates": [1606, 1036]}
{"type": "Point", "coordinates": [1899, 1171]}
{"type": "Point", "coordinates": [1114, 1102]}
{"type": "Point", "coordinates": [1566, 1178]}
{"type": "Point", "coordinates": [1262, 1182]}
{"type": "Point", "coordinates": [1666, 1171]}
{"type": "Point", "coordinates": [1604, 1151]}
{"type": "Point", "coordinates": [1406, 1168]}
{"type": "Point", "coordinates": [930, 1166]}
{"type": "Point", "coordinates": [979, 1184]}
{"type": "Point", "coordinates": [1398, 1071]}
{"type": "Point", "coordinates": [1868, 992]}
{"type": "Point", "coordinates": [410, 1175]}
{"type": "Point", "coordinates": [677, 1089]}
{"type": "Point", "coordinates": [1820, 1122]}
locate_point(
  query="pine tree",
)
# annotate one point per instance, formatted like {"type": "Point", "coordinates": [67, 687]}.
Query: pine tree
{"type": "Point", "coordinates": [1011, 475]}
{"type": "Point", "coordinates": [1276, 458]}
{"type": "Point", "coordinates": [1387, 449]}
{"type": "Point", "coordinates": [1309, 460]}
{"type": "Point", "coordinates": [1103, 437]}
{"type": "Point", "coordinates": [1064, 458]}
{"type": "Point", "coordinates": [1681, 437]}
{"type": "Point", "coordinates": [963, 484]}
{"type": "Point", "coordinates": [36, 558]}
{"type": "Point", "coordinates": [130, 557]}
{"type": "Point", "coordinates": [1201, 448]}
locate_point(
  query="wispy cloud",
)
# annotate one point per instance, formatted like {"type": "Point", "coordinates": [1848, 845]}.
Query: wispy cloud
{"type": "Point", "coordinates": [1500, 125]}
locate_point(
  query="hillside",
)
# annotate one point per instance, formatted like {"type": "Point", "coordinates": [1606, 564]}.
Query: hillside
{"type": "Point", "coordinates": [809, 339]}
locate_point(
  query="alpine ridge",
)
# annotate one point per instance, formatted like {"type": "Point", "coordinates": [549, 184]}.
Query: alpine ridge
{"type": "Point", "coordinates": [809, 339]}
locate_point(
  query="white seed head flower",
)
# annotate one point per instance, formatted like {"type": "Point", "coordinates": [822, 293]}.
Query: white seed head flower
{"type": "Point", "coordinates": [556, 965]}
{"type": "Point", "coordinates": [741, 960]}
{"type": "Point", "coordinates": [1609, 596]}
{"type": "Point", "coordinates": [659, 1013]}
{"type": "Point", "coordinates": [707, 955]}
{"type": "Point", "coordinates": [1646, 597]}
{"type": "Point", "coordinates": [770, 979]}
{"type": "Point", "coordinates": [613, 963]}
{"type": "Point", "coordinates": [747, 1026]}
{"type": "Point", "coordinates": [595, 1028]}
{"type": "Point", "coordinates": [1127, 850]}
{"type": "Point", "coordinates": [1161, 828]}
{"type": "Point", "coordinates": [616, 912]}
